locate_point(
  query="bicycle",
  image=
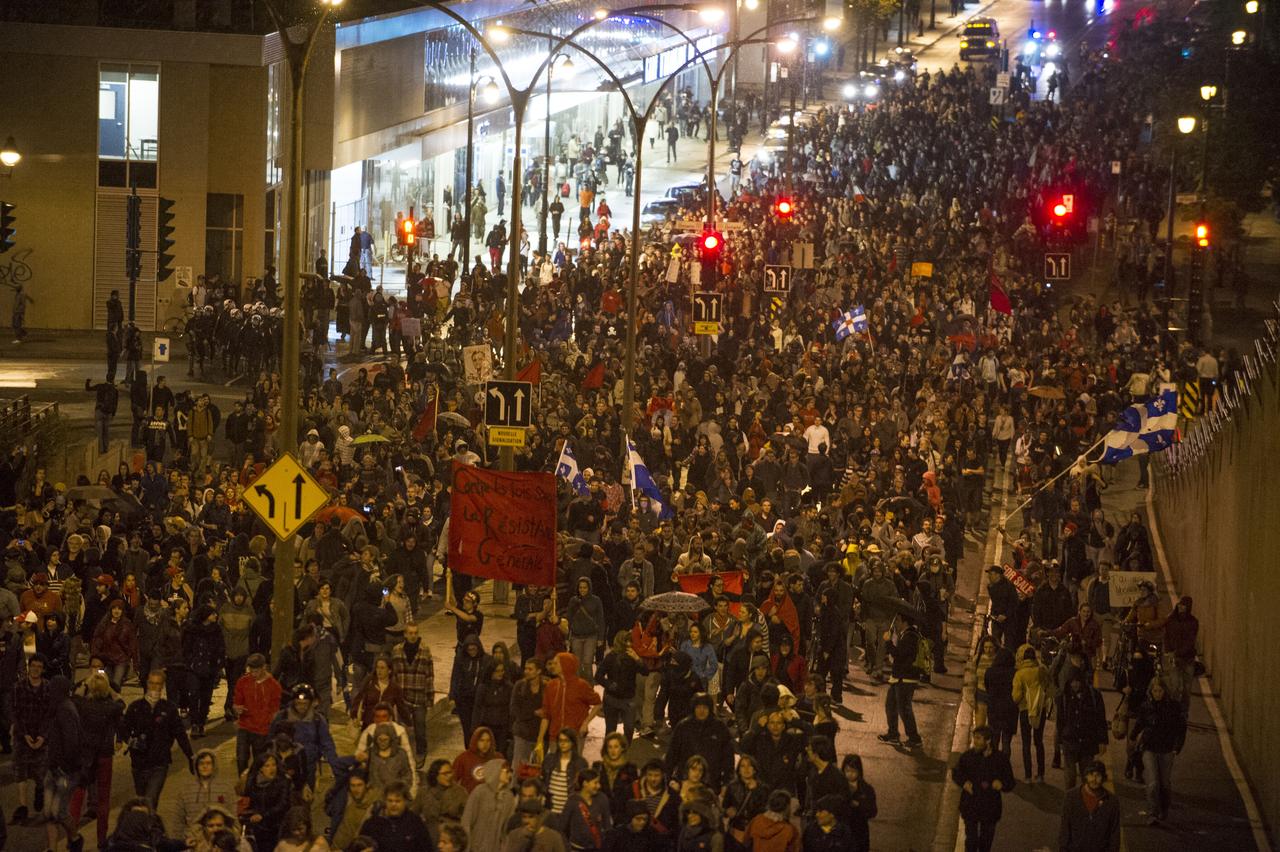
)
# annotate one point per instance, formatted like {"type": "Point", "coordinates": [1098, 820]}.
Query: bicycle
{"type": "Point", "coordinates": [176, 326]}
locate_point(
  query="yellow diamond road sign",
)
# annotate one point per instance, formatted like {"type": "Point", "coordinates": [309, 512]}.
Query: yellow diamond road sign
{"type": "Point", "coordinates": [285, 496]}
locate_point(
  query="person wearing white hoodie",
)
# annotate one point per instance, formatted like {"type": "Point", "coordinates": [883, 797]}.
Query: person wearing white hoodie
{"type": "Point", "coordinates": [345, 448]}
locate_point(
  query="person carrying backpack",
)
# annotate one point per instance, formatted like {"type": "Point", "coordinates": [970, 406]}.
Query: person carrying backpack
{"type": "Point", "coordinates": [904, 645]}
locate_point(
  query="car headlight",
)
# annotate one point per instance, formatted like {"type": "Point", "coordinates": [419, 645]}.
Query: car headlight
{"type": "Point", "coordinates": [871, 90]}
{"type": "Point", "coordinates": [1053, 50]}
{"type": "Point", "coordinates": [1029, 48]}
{"type": "Point", "coordinates": [850, 91]}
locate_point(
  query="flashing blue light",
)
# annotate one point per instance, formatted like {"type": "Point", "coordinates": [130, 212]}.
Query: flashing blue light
{"type": "Point", "coordinates": [821, 47]}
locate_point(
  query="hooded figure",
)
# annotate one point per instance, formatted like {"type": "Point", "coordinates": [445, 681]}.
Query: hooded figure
{"type": "Point", "coordinates": [62, 734]}
{"type": "Point", "coordinates": [465, 681]}
{"type": "Point", "coordinates": [388, 763]}
{"type": "Point", "coordinates": [489, 807]}
{"type": "Point", "coordinates": [480, 750]}
{"type": "Point", "coordinates": [567, 700]}
{"type": "Point", "coordinates": [207, 789]}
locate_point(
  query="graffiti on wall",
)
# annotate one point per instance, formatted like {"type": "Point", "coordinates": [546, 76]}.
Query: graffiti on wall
{"type": "Point", "coordinates": [15, 269]}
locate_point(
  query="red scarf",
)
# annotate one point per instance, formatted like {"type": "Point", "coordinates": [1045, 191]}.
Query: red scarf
{"type": "Point", "coordinates": [1092, 801]}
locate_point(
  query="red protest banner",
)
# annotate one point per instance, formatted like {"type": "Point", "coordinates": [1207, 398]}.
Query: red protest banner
{"type": "Point", "coordinates": [503, 525]}
{"type": "Point", "coordinates": [696, 584]}
{"type": "Point", "coordinates": [1024, 586]}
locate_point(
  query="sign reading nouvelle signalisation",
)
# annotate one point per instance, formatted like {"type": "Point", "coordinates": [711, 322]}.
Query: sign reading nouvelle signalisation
{"type": "Point", "coordinates": [507, 412]}
{"type": "Point", "coordinates": [285, 496]}
{"type": "Point", "coordinates": [706, 312]}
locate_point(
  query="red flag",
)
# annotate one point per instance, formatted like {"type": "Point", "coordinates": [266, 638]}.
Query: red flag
{"type": "Point", "coordinates": [696, 584]}
{"type": "Point", "coordinates": [427, 422]}
{"type": "Point", "coordinates": [595, 377]}
{"type": "Point", "coordinates": [503, 525]}
{"type": "Point", "coordinates": [531, 373]}
{"type": "Point", "coordinates": [999, 298]}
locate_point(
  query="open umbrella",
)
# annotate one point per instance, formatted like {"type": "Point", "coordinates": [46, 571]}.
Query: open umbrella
{"type": "Point", "coordinates": [675, 602]}
{"type": "Point", "coordinates": [441, 370]}
{"type": "Point", "coordinates": [127, 505]}
{"type": "Point", "coordinates": [91, 492]}
{"type": "Point", "coordinates": [1046, 392]}
{"type": "Point", "coordinates": [341, 513]}
{"type": "Point", "coordinates": [371, 438]}
{"type": "Point", "coordinates": [898, 607]}
{"type": "Point", "coordinates": [453, 418]}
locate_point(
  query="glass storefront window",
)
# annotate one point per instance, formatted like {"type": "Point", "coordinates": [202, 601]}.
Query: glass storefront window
{"type": "Point", "coordinates": [128, 125]}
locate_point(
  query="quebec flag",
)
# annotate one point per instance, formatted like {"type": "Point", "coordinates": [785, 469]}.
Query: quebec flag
{"type": "Point", "coordinates": [642, 480]}
{"type": "Point", "coordinates": [850, 321]}
{"type": "Point", "coordinates": [567, 469]}
{"type": "Point", "coordinates": [1144, 427]}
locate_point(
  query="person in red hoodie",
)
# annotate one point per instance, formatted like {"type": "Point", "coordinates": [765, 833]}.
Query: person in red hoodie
{"type": "Point", "coordinates": [568, 701]}
{"type": "Point", "coordinates": [256, 702]}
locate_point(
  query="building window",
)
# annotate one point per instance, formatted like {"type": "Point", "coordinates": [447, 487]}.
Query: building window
{"type": "Point", "coordinates": [224, 236]}
{"type": "Point", "coordinates": [128, 125]}
{"type": "Point", "coordinates": [275, 154]}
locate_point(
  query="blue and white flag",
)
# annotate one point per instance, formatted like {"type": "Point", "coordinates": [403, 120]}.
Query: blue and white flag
{"type": "Point", "coordinates": [567, 469]}
{"type": "Point", "coordinates": [642, 480]}
{"type": "Point", "coordinates": [850, 322]}
{"type": "Point", "coordinates": [1144, 427]}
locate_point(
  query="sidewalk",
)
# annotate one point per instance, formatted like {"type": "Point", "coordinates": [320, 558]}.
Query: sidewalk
{"type": "Point", "coordinates": [1207, 806]}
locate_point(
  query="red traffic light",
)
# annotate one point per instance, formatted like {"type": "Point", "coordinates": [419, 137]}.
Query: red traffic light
{"type": "Point", "coordinates": [408, 228]}
{"type": "Point", "coordinates": [1202, 234]}
{"type": "Point", "coordinates": [1059, 210]}
{"type": "Point", "coordinates": [783, 208]}
{"type": "Point", "coordinates": [711, 242]}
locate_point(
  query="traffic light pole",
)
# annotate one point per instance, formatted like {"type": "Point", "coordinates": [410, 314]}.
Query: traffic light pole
{"type": "Point", "coordinates": [470, 179]}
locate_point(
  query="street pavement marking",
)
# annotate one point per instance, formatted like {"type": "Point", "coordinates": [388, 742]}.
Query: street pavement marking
{"type": "Point", "coordinates": [982, 604]}
{"type": "Point", "coordinates": [1210, 700]}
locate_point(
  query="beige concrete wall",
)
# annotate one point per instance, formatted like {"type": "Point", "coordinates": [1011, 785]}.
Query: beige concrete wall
{"type": "Point", "coordinates": [54, 186]}
{"type": "Point", "coordinates": [1220, 523]}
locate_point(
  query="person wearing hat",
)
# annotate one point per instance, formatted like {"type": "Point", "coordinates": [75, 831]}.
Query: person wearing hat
{"type": "Point", "coordinates": [1053, 603]}
{"type": "Point", "coordinates": [255, 703]}
{"type": "Point", "coordinates": [310, 731]}
{"type": "Point", "coordinates": [40, 598]}
{"type": "Point", "coordinates": [1090, 815]}
{"type": "Point", "coordinates": [532, 835]}
{"type": "Point", "coordinates": [636, 834]}
{"type": "Point", "coordinates": [97, 605]}
{"type": "Point", "coordinates": [826, 833]}
{"type": "Point", "coordinates": [749, 698]}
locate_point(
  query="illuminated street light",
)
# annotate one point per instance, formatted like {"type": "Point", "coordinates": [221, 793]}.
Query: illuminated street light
{"type": "Point", "coordinates": [1251, 8]}
{"type": "Point", "coordinates": [711, 14]}
{"type": "Point", "coordinates": [832, 24]}
{"type": "Point", "coordinates": [1208, 92]}
{"type": "Point", "coordinates": [786, 45]}
{"type": "Point", "coordinates": [10, 156]}
{"type": "Point", "coordinates": [489, 92]}
{"type": "Point", "coordinates": [1187, 124]}
{"type": "Point", "coordinates": [601, 14]}
{"type": "Point", "coordinates": [752, 5]}
{"type": "Point", "coordinates": [498, 34]}
{"type": "Point", "coordinates": [1238, 37]}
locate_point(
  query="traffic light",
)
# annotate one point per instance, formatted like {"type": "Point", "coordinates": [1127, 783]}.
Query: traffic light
{"type": "Point", "coordinates": [710, 247]}
{"type": "Point", "coordinates": [408, 231]}
{"type": "Point", "coordinates": [783, 208]}
{"type": "Point", "coordinates": [7, 229]}
{"type": "Point", "coordinates": [164, 238]}
{"type": "Point", "coordinates": [1202, 235]}
{"type": "Point", "coordinates": [132, 237]}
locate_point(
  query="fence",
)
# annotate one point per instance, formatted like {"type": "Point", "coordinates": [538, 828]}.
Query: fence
{"type": "Point", "coordinates": [1218, 512]}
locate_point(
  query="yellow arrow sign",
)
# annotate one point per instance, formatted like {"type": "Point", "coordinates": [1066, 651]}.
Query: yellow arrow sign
{"type": "Point", "coordinates": [285, 496]}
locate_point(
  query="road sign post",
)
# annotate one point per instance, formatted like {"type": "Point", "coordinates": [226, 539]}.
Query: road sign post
{"type": "Point", "coordinates": [1057, 266]}
{"type": "Point", "coordinates": [508, 412]}
{"type": "Point", "coordinates": [285, 496]}
{"type": "Point", "coordinates": [777, 278]}
{"type": "Point", "coordinates": [707, 311]}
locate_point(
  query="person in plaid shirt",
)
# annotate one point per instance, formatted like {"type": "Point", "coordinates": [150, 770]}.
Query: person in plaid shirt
{"type": "Point", "coordinates": [412, 666]}
{"type": "Point", "coordinates": [31, 711]}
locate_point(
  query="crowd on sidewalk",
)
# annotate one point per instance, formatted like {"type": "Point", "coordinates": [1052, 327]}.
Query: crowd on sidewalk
{"type": "Point", "coordinates": [814, 487]}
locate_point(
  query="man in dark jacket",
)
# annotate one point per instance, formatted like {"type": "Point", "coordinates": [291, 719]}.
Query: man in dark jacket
{"type": "Point", "coordinates": [106, 400]}
{"type": "Point", "coordinates": [777, 750]}
{"type": "Point", "coordinates": [983, 775]}
{"type": "Point", "coordinates": [587, 626]}
{"type": "Point", "coordinates": [151, 726]}
{"type": "Point", "coordinates": [1082, 726]}
{"type": "Point", "coordinates": [1052, 603]}
{"type": "Point", "coordinates": [747, 700]}
{"type": "Point", "coordinates": [904, 678]}
{"type": "Point", "coordinates": [396, 828]}
{"type": "Point", "coordinates": [1090, 815]}
{"type": "Point", "coordinates": [63, 770]}
{"type": "Point", "coordinates": [704, 735]}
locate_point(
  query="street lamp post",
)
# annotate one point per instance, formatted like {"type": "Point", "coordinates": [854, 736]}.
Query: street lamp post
{"type": "Point", "coordinates": [298, 56]}
{"type": "Point", "coordinates": [1186, 125]}
{"type": "Point", "coordinates": [546, 145]}
{"type": "Point", "coordinates": [470, 178]}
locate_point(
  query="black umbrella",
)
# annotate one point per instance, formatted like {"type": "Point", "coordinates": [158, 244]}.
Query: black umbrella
{"type": "Point", "coordinates": [898, 607]}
